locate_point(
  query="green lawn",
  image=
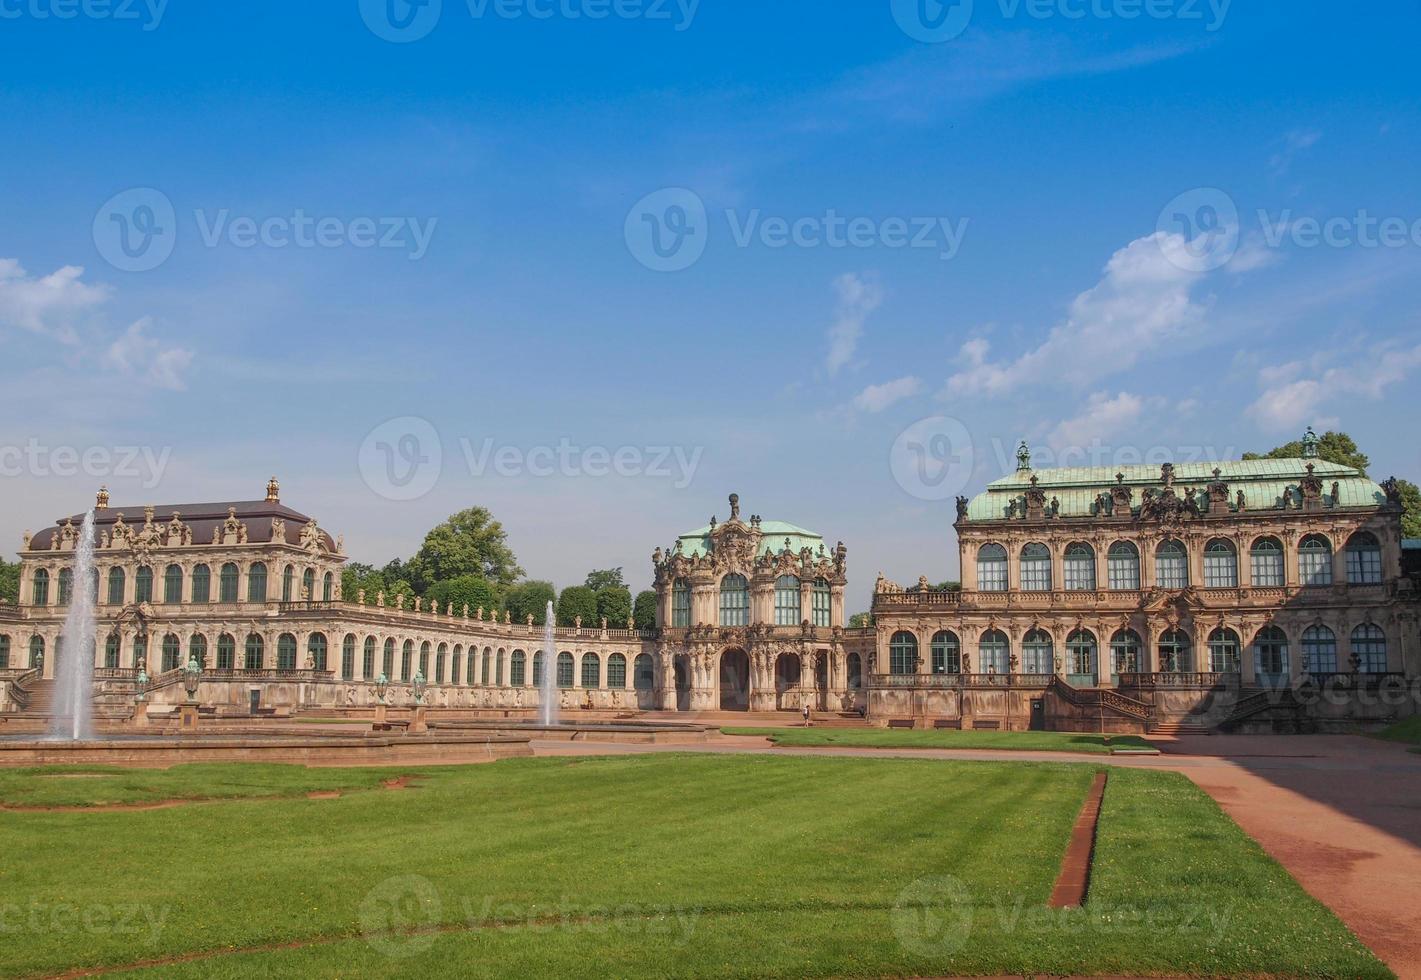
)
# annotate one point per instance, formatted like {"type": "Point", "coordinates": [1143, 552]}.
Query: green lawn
{"type": "Point", "coordinates": [660, 865]}
{"type": "Point", "coordinates": [1408, 730]}
{"type": "Point", "coordinates": [100, 785]}
{"type": "Point", "coordinates": [927, 738]}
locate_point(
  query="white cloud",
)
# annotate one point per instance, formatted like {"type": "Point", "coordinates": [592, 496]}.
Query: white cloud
{"type": "Point", "coordinates": [1293, 143]}
{"type": "Point", "coordinates": [46, 305]}
{"type": "Point", "coordinates": [875, 398]}
{"type": "Point", "coordinates": [1295, 393]}
{"type": "Point", "coordinates": [1101, 418]}
{"type": "Point", "coordinates": [138, 355]}
{"type": "Point", "coordinates": [858, 297]}
{"type": "Point", "coordinates": [1142, 302]}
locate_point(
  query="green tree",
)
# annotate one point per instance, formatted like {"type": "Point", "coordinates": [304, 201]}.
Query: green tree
{"type": "Point", "coordinates": [860, 621]}
{"type": "Point", "coordinates": [529, 597]}
{"type": "Point", "coordinates": [466, 590]}
{"type": "Point", "coordinates": [9, 582]}
{"type": "Point", "coordinates": [575, 601]}
{"type": "Point", "coordinates": [358, 575]}
{"type": "Point", "coordinates": [614, 604]}
{"type": "Point", "coordinates": [644, 610]}
{"type": "Point", "coordinates": [1335, 447]}
{"type": "Point", "coordinates": [598, 580]}
{"type": "Point", "coordinates": [470, 542]}
{"type": "Point", "coordinates": [1411, 509]}
{"type": "Point", "coordinates": [948, 586]}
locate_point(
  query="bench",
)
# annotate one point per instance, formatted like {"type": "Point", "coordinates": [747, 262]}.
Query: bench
{"type": "Point", "coordinates": [953, 723]}
{"type": "Point", "coordinates": [900, 723]}
{"type": "Point", "coordinates": [986, 726]}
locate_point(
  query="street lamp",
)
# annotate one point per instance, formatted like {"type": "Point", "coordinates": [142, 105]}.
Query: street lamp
{"type": "Point", "coordinates": [419, 685]}
{"type": "Point", "coordinates": [192, 677]}
{"type": "Point", "coordinates": [382, 684]}
{"type": "Point", "coordinates": [142, 683]}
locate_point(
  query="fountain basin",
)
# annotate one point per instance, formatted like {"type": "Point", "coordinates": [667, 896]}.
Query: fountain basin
{"type": "Point", "coordinates": [641, 732]}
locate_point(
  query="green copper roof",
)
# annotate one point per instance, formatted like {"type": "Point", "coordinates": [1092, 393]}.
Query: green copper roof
{"type": "Point", "coordinates": [1265, 484]}
{"type": "Point", "coordinates": [775, 533]}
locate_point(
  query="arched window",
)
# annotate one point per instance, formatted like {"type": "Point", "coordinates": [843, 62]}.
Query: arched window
{"type": "Point", "coordinates": [1125, 649]}
{"type": "Point", "coordinates": [591, 670]}
{"type": "Point", "coordinates": [1223, 651]}
{"type": "Point", "coordinates": [855, 667]}
{"type": "Point", "coordinates": [5, 652]}
{"type": "Point", "coordinates": [256, 582]}
{"type": "Point", "coordinates": [470, 667]}
{"type": "Point", "coordinates": [113, 651]}
{"type": "Point", "coordinates": [1364, 559]}
{"type": "Point", "coordinates": [1172, 566]}
{"type": "Point", "coordinates": [197, 649]}
{"type": "Point", "coordinates": [616, 671]}
{"type": "Point", "coordinates": [347, 657]}
{"type": "Point", "coordinates": [387, 660]}
{"type": "Point", "coordinates": [140, 650]}
{"type": "Point", "coordinates": [1369, 648]}
{"type": "Point", "coordinates": [946, 653]}
{"type": "Point", "coordinates": [1319, 650]}
{"type": "Point", "coordinates": [201, 584]}
{"type": "Point", "coordinates": [1080, 567]}
{"type": "Point", "coordinates": [117, 586]}
{"type": "Point", "coordinates": [143, 584]}
{"type": "Point", "coordinates": [173, 584]}
{"type": "Point", "coordinates": [994, 653]}
{"type": "Point", "coordinates": [1220, 566]}
{"type": "Point", "coordinates": [786, 601]}
{"type": "Point", "coordinates": [36, 651]}
{"type": "Point", "coordinates": [643, 675]}
{"type": "Point", "coordinates": [1122, 563]}
{"type": "Point", "coordinates": [39, 589]}
{"type": "Point", "coordinates": [288, 583]}
{"type": "Point", "coordinates": [565, 669]}
{"type": "Point", "coordinates": [518, 669]}
{"type": "Point", "coordinates": [1270, 656]}
{"type": "Point", "coordinates": [1174, 652]}
{"type": "Point", "coordinates": [1081, 657]}
{"type": "Point", "coordinates": [485, 671]}
{"type": "Point", "coordinates": [1036, 568]}
{"type": "Point", "coordinates": [227, 583]}
{"type": "Point", "coordinates": [1315, 560]}
{"type": "Point", "coordinates": [991, 568]}
{"type": "Point", "coordinates": [823, 600]}
{"type": "Point", "coordinates": [367, 659]}
{"type": "Point", "coordinates": [680, 604]}
{"type": "Point", "coordinates": [1267, 561]}
{"type": "Point", "coordinates": [903, 653]}
{"type": "Point", "coordinates": [328, 587]}
{"type": "Point", "coordinates": [734, 601]}
{"type": "Point", "coordinates": [308, 585]}
{"type": "Point", "coordinates": [286, 652]}
{"type": "Point", "coordinates": [1036, 650]}
{"type": "Point", "coordinates": [424, 659]}
{"type": "Point", "coordinates": [538, 668]}
{"type": "Point", "coordinates": [66, 586]}
{"type": "Point", "coordinates": [172, 653]}
{"type": "Point", "coordinates": [226, 652]}
{"type": "Point", "coordinates": [441, 655]}
{"type": "Point", "coordinates": [407, 661]}
{"type": "Point", "coordinates": [255, 652]}
{"type": "Point", "coordinates": [498, 672]}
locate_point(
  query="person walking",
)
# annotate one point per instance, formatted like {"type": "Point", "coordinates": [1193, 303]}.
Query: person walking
{"type": "Point", "coordinates": [806, 716]}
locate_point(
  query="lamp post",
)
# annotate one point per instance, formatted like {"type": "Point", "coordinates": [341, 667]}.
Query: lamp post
{"type": "Point", "coordinates": [382, 685]}
{"type": "Point", "coordinates": [141, 682]}
{"type": "Point", "coordinates": [417, 722]}
{"type": "Point", "coordinates": [192, 678]}
{"type": "Point", "coordinates": [419, 686]}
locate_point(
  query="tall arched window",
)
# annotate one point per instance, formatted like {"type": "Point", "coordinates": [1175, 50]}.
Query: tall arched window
{"type": "Point", "coordinates": [1369, 647]}
{"type": "Point", "coordinates": [117, 586]}
{"type": "Point", "coordinates": [347, 657]}
{"type": "Point", "coordinates": [518, 669]}
{"type": "Point", "coordinates": [286, 652]}
{"type": "Point", "coordinates": [367, 659]}
{"type": "Point", "coordinates": [680, 604]}
{"type": "Point", "coordinates": [1081, 656]}
{"type": "Point", "coordinates": [5, 652]}
{"type": "Point", "coordinates": [991, 568]}
{"type": "Point", "coordinates": [616, 671]}
{"type": "Point", "coordinates": [1172, 566]}
{"type": "Point", "coordinates": [1125, 649]}
{"type": "Point", "coordinates": [1364, 559]}
{"type": "Point", "coordinates": [308, 585]}
{"type": "Point", "coordinates": [140, 650]}
{"type": "Point", "coordinates": [1319, 650]}
{"type": "Point", "coordinates": [407, 662]}
{"type": "Point", "coordinates": [441, 655]}
{"type": "Point", "coordinates": [994, 653]}
{"type": "Point", "coordinates": [113, 651]}
{"type": "Point", "coordinates": [591, 670]}
{"type": "Point", "coordinates": [143, 584]}
{"type": "Point", "coordinates": [855, 668]}
{"type": "Point", "coordinates": [1174, 653]}
{"type": "Point", "coordinates": [823, 600]}
{"type": "Point", "coordinates": [1220, 566]}
{"type": "Point", "coordinates": [1270, 656]}
{"type": "Point", "coordinates": [565, 669]}
{"type": "Point", "coordinates": [1122, 563]}
{"type": "Point", "coordinates": [486, 667]}
{"type": "Point", "coordinates": [387, 660]}
{"type": "Point", "coordinates": [1080, 567]}
{"type": "Point", "coordinates": [226, 652]}
{"type": "Point", "coordinates": [470, 666]}
{"type": "Point", "coordinates": [643, 673]}
{"type": "Point", "coordinates": [256, 582]}
{"type": "Point", "coordinates": [227, 583]}
{"type": "Point", "coordinates": [288, 583]}
{"type": "Point", "coordinates": [786, 601]}
{"type": "Point", "coordinates": [1036, 568]}
{"type": "Point", "coordinates": [173, 584]}
{"type": "Point", "coordinates": [903, 653]}
{"type": "Point", "coordinates": [424, 659]}
{"type": "Point", "coordinates": [1223, 651]}
{"type": "Point", "coordinates": [328, 587]}
{"type": "Point", "coordinates": [255, 652]}
{"type": "Point", "coordinates": [1036, 651]}
{"type": "Point", "coordinates": [66, 586]}
{"type": "Point", "coordinates": [39, 588]}
{"type": "Point", "coordinates": [1266, 558]}
{"type": "Point", "coordinates": [36, 651]}
{"type": "Point", "coordinates": [197, 649]}
{"type": "Point", "coordinates": [1315, 560]}
{"type": "Point", "coordinates": [498, 671]}
{"type": "Point", "coordinates": [538, 668]}
{"type": "Point", "coordinates": [172, 653]}
{"type": "Point", "coordinates": [946, 653]}
{"type": "Point", "coordinates": [734, 601]}
{"type": "Point", "coordinates": [201, 584]}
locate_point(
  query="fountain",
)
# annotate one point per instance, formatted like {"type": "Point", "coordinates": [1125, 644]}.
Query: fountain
{"type": "Point", "coordinates": [73, 717]}
{"type": "Point", "coordinates": [547, 711]}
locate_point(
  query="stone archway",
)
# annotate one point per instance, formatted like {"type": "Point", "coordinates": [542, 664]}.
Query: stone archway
{"type": "Point", "coordinates": [682, 668]}
{"type": "Point", "coordinates": [734, 680]}
{"type": "Point", "coordinates": [786, 681]}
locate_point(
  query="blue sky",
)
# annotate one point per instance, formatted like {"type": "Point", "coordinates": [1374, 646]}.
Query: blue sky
{"type": "Point", "coordinates": [1114, 201]}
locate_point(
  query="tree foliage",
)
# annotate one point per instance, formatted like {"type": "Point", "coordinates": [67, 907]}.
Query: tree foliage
{"type": "Point", "coordinates": [1411, 509]}
{"type": "Point", "coordinates": [577, 601]}
{"type": "Point", "coordinates": [466, 590]}
{"type": "Point", "coordinates": [470, 542]}
{"type": "Point", "coordinates": [644, 610]}
{"type": "Point", "coordinates": [599, 579]}
{"type": "Point", "coordinates": [9, 582]}
{"type": "Point", "coordinates": [529, 597]}
{"type": "Point", "coordinates": [1335, 447]}
{"type": "Point", "coordinates": [614, 604]}
{"type": "Point", "coordinates": [860, 620]}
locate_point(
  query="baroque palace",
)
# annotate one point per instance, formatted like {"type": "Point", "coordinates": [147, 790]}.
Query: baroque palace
{"type": "Point", "coordinates": [1271, 594]}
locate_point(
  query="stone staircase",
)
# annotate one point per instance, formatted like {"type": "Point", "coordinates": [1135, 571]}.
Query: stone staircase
{"type": "Point", "coordinates": [39, 698]}
{"type": "Point", "coordinates": [1174, 729]}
